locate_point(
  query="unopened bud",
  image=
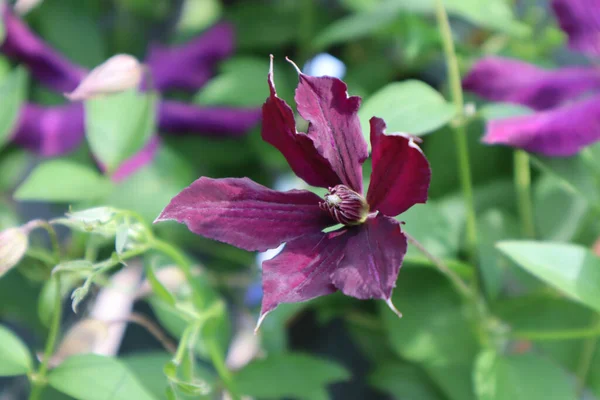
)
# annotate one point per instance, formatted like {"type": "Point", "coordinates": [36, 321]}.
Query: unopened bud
{"type": "Point", "coordinates": [13, 245]}
{"type": "Point", "coordinates": [117, 74]}
{"type": "Point", "coordinates": [345, 205]}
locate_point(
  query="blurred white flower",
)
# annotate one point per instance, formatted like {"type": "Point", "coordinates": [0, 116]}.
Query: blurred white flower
{"type": "Point", "coordinates": [13, 245]}
{"type": "Point", "coordinates": [22, 7]}
{"type": "Point", "coordinates": [325, 64]}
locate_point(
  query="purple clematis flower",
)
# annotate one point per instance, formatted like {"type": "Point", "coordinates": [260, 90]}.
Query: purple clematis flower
{"type": "Point", "coordinates": [53, 131]}
{"type": "Point", "coordinates": [566, 100]}
{"type": "Point", "coordinates": [363, 257]}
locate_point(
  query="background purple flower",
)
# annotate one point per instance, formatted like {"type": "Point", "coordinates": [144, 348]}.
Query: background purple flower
{"type": "Point", "coordinates": [363, 257]}
{"type": "Point", "coordinates": [566, 124]}
{"type": "Point", "coordinates": [53, 131]}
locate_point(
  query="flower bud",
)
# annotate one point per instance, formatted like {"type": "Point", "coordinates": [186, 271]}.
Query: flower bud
{"type": "Point", "coordinates": [13, 245]}
{"type": "Point", "coordinates": [117, 74]}
{"type": "Point", "coordinates": [345, 205]}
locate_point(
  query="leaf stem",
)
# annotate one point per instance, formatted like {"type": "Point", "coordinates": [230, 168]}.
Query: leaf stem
{"type": "Point", "coordinates": [460, 285]}
{"type": "Point", "coordinates": [219, 364]}
{"type": "Point", "coordinates": [569, 334]}
{"type": "Point", "coordinates": [459, 125]}
{"type": "Point", "coordinates": [522, 176]}
{"type": "Point", "coordinates": [39, 382]}
{"type": "Point", "coordinates": [186, 267]}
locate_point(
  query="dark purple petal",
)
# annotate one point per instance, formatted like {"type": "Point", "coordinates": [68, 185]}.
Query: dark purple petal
{"type": "Point", "coordinates": [334, 125]}
{"type": "Point", "coordinates": [401, 173]}
{"type": "Point", "coordinates": [50, 131]}
{"type": "Point", "coordinates": [302, 270]}
{"type": "Point", "coordinates": [245, 214]}
{"type": "Point", "coordinates": [189, 66]}
{"type": "Point", "coordinates": [372, 259]}
{"type": "Point", "coordinates": [558, 132]}
{"type": "Point", "coordinates": [177, 117]}
{"type": "Point", "coordinates": [580, 19]}
{"type": "Point", "coordinates": [138, 161]}
{"type": "Point", "coordinates": [45, 64]}
{"type": "Point", "coordinates": [279, 130]}
{"type": "Point", "coordinates": [503, 79]}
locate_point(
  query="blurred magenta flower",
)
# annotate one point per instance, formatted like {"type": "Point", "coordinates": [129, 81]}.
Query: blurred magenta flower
{"type": "Point", "coordinates": [567, 100]}
{"type": "Point", "coordinates": [363, 257]}
{"type": "Point", "coordinates": [53, 131]}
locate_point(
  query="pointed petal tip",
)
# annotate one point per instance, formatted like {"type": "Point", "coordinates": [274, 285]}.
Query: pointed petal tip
{"type": "Point", "coordinates": [260, 321]}
{"type": "Point", "coordinates": [393, 308]}
{"type": "Point", "coordinates": [294, 65]}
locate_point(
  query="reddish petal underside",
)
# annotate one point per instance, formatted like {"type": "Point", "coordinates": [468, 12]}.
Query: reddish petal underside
{"type": "Point", "coordinates": [302, 270]}
{"type": "Point", "coordinates": [178, 117]}
{"type": "Point", "coordinates": [245, 214]}
{"type": "Point", "coordinates": [189, 66]}
{"type": "Point", "coordinates": [515, 81]}
{"type": "Point", "coordinates": [333, 125]}
{"type": "Point", "coordinates": [139, 160]}
{"type": "Point", "coordinates": [401, 173]}
{"type": "Point", "coordinates": [559, 132]}
{"type": "Point", "coordinates": [45, 64]}
{"type": "Point", "coordinates": [580, 19]}
{"type": "Point", "coordinates": [279, 130]}
{"type": "Point", "coordinates": [372, 259]}
{"type": "Point", "coordinates": [50, 131]}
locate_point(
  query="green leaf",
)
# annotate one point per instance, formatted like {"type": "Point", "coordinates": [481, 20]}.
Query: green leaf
{"type": "Point", "coordinates": [573, 173]}
{"type": "Point", "coordinates": [150, 188]}
{"type": "Point", "coordinates": [570, 268]}
{"type": "Point", "coordinates": [403, 381]}
{"type": "Point", "coordinates": [410, 106]}
{"type": "Point", "coordinates": [121, 237]}
{"type": "Point", "coordinates": [289, 375]}
{"type": "Point", "coordinates": [251, 30]}
{"type": "Point", "coordinates": [241, 83]}
{"type": "Point", "coordinates": [493, 14]}
{"type": "Point", "coordinates": [520, 377]}
{"type": "Point", "coordinates": [357, 25]}
{"type": "Point", "coordinates": [494, 225]}
{"type": "Point", "coordinates": [63, 181]}
{"type": "Point", "coordinates": [73, 30]}
{"type": "Point", "coordinates": [14, 165]}
{"type": "Point", "coordinates": [549, 196]}
{"type": "Point", "coordinates": [430, 227]}
{"type": "Point", "coordinates": [94, 377]}
{"type": "Point", "coordinates": [420, 293]}
{"type": "Point", "coordinates": [118, 126]}
{"type": "Point", "coordinates": [16, 358]}
{"type": "Point", "coordinates": [492, 111]}
{"type": "Point", "coordinates": [74, 266]}
{"type": "Point", "coordinates": [430, 306]}
{"type": "Point", "coordinates": [148, 368]}
{"type": "Point", "coordinates": [158, 288]}
{"type": "Point", "coordinates": [13, 91]}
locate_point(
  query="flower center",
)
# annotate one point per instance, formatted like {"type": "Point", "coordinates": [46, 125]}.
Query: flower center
{"type": "Point", "coordinates": [345, 205]}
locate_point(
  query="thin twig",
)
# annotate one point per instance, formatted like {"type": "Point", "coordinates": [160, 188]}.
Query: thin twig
{"type": "Point", "coordinates": [152, 328]}
{"type": "Point", "coordinates": [444, 269]}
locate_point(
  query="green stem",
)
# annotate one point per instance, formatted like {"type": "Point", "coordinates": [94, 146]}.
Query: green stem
{"type": "Point", "coordinates": [306, 30]}
{"type": "Point", "coordinates": [40, 223]}
{"type": "Point", "coordinates": [479, 307]}
{"type": "Point", "coordinates": [587, 356]}
{"type": "Point", "coordinates": [186, 267]}
{"type": "Point", "coordinates": [522, 174]}
{"type": "Point", "coordinates": [40, 377]}
{"type": "Point", "coordinates": [460, 133]}
{"type": "Point", "coordinates": [459, 284]}
{"type": "Point", "coordinates": [219, 364]}
{"type": "Point", "coordinates": [569, 334]}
